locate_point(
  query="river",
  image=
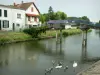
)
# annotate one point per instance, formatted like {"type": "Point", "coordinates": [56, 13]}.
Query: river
{"type": "Point", "coordinates": [33, 57]}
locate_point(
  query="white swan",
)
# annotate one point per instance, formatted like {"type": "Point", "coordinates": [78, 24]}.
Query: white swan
{"type": "Point", "coordinates": [74, 64]}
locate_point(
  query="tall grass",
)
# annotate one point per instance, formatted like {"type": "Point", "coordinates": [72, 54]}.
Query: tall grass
{"type": "Point", "coordinates": [67, 32]}
{"type": "Point", "coordinates": [13, 37]}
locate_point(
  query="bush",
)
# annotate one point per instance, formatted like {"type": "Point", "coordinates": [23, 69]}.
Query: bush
{"type": "Point", "coordinates": [35, 32]}
{"type": "Point", "coordinates": [65, 34]}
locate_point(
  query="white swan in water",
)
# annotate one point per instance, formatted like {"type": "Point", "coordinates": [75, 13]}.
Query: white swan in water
{"type": "Point", "coordinates": [74, 64]}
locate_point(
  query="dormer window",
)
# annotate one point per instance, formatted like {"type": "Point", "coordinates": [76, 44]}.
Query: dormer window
{"type": "Point", "coordinates": [32, 9]}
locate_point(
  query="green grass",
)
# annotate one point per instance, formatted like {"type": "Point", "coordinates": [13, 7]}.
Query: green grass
{"type": "Point", "coordinates": [67, 32]}
{"type": "Point", "coordinates": [13, 37]}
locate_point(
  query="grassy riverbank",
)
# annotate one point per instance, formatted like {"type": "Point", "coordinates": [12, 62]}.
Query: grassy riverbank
{"type": "Point", "coordinates": [9, 37]}
{"type": "Point", "coordinates": [65, 33]}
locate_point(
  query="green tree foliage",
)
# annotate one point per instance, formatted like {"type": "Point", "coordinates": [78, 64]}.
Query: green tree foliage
{"type": "Point", "coordinates": [60, 15]}
{"type": "Point", "coordinates": [42, 18]}
{"type": "Point", "coordinates": [85, 18]}
{"type": "Point", "coordinates": [63, 16]}
{"type": "Point", "coordinates": [46, 17]}
{"type": "Point", "coordinates": [99, 21]}
{"type": "Point", "coordinates": [51, 13]}
{"type": "Point", "coordinates": [57, 15]}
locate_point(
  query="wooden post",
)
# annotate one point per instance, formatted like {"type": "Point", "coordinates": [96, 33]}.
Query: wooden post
{"type": "Point", "coordinates": [84, 45]}
{"type": "Point", "coordinates": [60, 35]}
{"type": "Point", "coordinates": [56, 36]}
{"type": "Point", "coordinates": [99, 33]}
{"type": "Point", "coordinates": [60, 41]}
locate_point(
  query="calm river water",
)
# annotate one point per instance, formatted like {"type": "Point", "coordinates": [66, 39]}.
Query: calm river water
{"type": "Point", "coordinates": [33, 57]}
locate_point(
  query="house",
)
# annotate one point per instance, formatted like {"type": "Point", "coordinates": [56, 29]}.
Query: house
{"type": "Point", "coordinates": [9, 19]}
{"type": "Point", "coordinates": [31, 12]}
{"type": "Point", "coordinates": [65, 24]}
{"type": "Point", "coordinates": [68, 24]}
{"type": "Point", "coordinates": [19, 16]}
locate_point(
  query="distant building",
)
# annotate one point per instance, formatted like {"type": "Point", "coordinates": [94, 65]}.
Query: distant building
{"type": "Point", "coordinates": [19, 16]}
{"type": "Point", "coordinates": [65, 24]}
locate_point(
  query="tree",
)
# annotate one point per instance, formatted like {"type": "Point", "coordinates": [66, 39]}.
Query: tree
{"type": "Point", "coordinates": [42, 18]}
{"type": "Point", "coordinates": [46, 16]}
{"type": "Point", "coordinates": [60, 15]}
{"type": "Point", "coordinates": [51, 13]}
{"type": "Point", "coordinates": [85, 18]}
{"type": "Point", "coordinates": [63, 16]}
{"type": "Point", "coordinates": [99, 21]}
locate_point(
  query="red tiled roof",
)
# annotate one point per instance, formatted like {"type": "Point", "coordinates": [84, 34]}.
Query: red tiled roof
{"type": "Point", "coordinates": [25, 6]}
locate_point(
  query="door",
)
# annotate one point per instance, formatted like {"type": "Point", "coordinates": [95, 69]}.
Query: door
{"type": "Point", "coordinates": [13, 27]}
{"type": "Point", "coordinates": [0, 24]}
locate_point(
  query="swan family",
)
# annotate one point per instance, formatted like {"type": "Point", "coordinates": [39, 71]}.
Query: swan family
{"type": "Point", "coordinates": [59, 65]}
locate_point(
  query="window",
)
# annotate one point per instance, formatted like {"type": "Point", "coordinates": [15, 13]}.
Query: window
{"type": "Point", "coordinates": [5, 13]}
{"type": "Point", "coordinates": [32, 9]}
{"type": "Point", "coordinates": [5, 24]}
{"type": "Point", "coordinates": [0, 24]}
{"type": "Point", "coordinates": [19, 16]}
{"type": "Point", "coordinates": [35, 19]}
{"type": "Point", "coordinates": [34, 25]}
{"type": "Point", "coordinates": [0, 12]}
{"type": "Point", "coordinates": [18, 25]}
{"type": "Point", "coordinates": [28, 18]}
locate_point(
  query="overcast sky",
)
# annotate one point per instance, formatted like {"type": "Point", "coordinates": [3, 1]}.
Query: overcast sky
{"type": "Point", "coordinates": [78, 8]}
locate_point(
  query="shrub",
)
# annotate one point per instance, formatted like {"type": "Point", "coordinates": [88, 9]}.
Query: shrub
{"type": "Point", "coordinates": [65, 34]}
{"type": "Point", "coordinates": [35, 32]}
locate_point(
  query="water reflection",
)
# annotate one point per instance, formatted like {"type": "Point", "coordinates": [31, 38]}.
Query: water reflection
{"type": "Point", "coordinates": [85, 57]}
{"type": "Point", "coordinates": [97, 32]}
{"type": "Point", "coordinates": [53, 48]}
{"type": "Point", "coordinates": [35, 56]}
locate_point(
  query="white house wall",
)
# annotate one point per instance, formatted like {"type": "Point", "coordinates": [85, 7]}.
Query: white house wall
{"type": "Point", "coordinates": [20, 21]}
{"type": "Point", "coordinates": [12, 18]}
{"type": "Point", "coordinates": [34, 10]}
{"type": "Point", "coordinates": [67, 26]}
{"type": "Point", "coordinates": [9, 17]}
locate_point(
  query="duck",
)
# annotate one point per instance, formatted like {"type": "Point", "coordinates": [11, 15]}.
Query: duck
{"type": "Point", "coordinates": [53, 62]}
{"type": "Point", "coordinates": [32, 58]}
{"type": "Point", "coordinates": [49, 70]}
{"type": "Point", "coordinates": [58, 66]}
{"type": "Point", "coordinates": [65, 68]}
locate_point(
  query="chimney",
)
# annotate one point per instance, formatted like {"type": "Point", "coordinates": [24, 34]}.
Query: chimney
{"type": "Point", "coordinates": [14, 4]}
{"type": "Point", "coordinates": [22, 2]}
